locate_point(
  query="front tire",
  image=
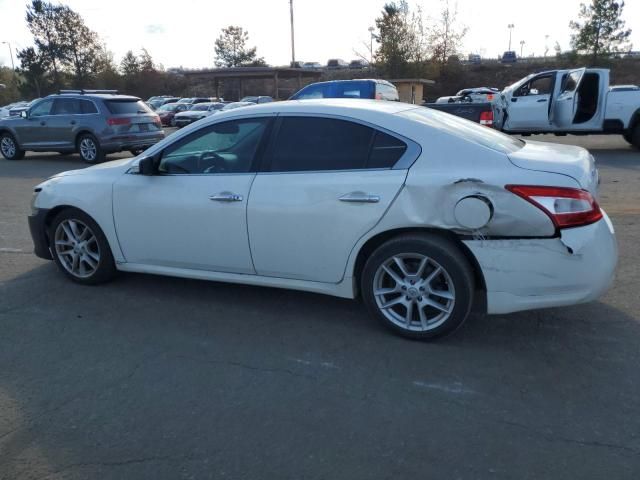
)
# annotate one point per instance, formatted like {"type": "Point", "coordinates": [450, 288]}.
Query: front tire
{"type": "Point", "coordinates": [89, 149]}
{"type": "Point", "coordinates": [419, 286]}
{"type": "Point", "coordinates": [9, 147]}
{"type": "Point", "coordinates": [80, 248]}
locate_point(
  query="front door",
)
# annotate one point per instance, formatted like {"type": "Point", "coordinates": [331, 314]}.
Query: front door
{"type": "Point", "coordinates": [327, 183]}
{"type": "Point", "coordinates": [33, 132]}
{"type": "Point", "coordinates": [528, 109]}
{"type": "Point", "coordinates": [192, 214]}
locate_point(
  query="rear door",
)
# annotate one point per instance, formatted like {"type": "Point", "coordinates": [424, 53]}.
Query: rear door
{"type": "Point", "coordinates": [565, 105]}
{"type": "Point", "coordinates": [65, 116]}
{"type": "Point", "coordinates": [326, 182]}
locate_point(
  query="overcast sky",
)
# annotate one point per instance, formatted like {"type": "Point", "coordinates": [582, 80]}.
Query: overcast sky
{"type": "Point", "coordinates": [182, 32]}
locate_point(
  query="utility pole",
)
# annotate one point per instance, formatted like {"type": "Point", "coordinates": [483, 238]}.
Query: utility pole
{"type": "Point", "coordinates": [293, 48]}
{"type": "Point", "coordinates": [510, 27]}
{"type": "Point", "coordinates": [371, 30]}
{"type": "Point", "coordinates": [13, 67]}
{"type": "Point", "coordinates": [521, 47]}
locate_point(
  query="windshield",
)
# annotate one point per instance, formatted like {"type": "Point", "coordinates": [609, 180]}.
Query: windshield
{"type": "Point", "coordinates": [474, 132]}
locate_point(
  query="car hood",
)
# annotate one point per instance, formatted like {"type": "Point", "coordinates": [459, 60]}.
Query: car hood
{"type": "Point", "coordinates": [569, 160]}
{"type": "Point", "coordinates": [111, 167]}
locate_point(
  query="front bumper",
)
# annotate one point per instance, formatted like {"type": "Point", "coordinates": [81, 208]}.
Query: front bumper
{"type": "Point", "coordinates": [524, 274]}
{"type": "Point", "coordinates": [38, 229]}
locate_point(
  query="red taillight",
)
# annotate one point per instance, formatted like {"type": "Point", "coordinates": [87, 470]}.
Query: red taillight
{"type": "Point", "coordinates": [118, 121]}
{"type": "Point", "coordinates": [567, 207]}
{"type": "Point", "coordinates": [486, 118]}
{"type": "Point", "coordinates": [156, 120]}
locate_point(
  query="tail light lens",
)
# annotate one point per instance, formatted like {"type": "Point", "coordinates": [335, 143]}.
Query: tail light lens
{"type": "Point", "coordinates": [118, 121]}
{"type": "Point", "coordinates": [156, 120]}
{"type": "Point", "coordinates": [486, 118]}
{"type": "Point", "coordinates": [566, 207]}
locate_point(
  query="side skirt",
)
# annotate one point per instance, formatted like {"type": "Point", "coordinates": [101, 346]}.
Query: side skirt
{"type": "Point", "coordinates": [343, 289]}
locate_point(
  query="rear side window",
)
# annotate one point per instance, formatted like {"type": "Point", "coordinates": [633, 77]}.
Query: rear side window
{"type": "Point", "coordinates": [87, 106]}
{"type": "Point", "coordinates": [126, 106]}
{"type": "Point", "coordinates": [572, 82]}
{"type": "Point", "coordinates": [385, 151]}
{"type": "Point", "coordinates": [321, 144]}
{"type": "Point", "coordinates": [311, 143]}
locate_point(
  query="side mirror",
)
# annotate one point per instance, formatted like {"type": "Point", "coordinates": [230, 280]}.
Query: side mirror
{"type": "Point", "coordinates": [24, 113]}
{"type": "Point", "coordinates": [148, 166]}
{"type": "Point", "coordinates": [533, 91]}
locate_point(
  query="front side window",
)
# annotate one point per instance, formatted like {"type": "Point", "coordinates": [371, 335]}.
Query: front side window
{"type": "Point", "coordinates": [321, 144]}
{"type": "Point", "coordinates": [537, 86]}
{"type": "Point", "coordinates": [312, 91]}
{"type": "Point", "coordinates": [41, 109]}
{"type": "Point", "coordinates": [228, 147]}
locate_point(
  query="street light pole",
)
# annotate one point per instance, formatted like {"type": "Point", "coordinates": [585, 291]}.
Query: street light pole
{"type": "Point", "coordinates": [521, 47]}
{"type": "Point", "coordinates": [13, 67]}
{"type": "Point", "coordinates": [293, 48]}
{"type": "Point", "coordinates": [371, 30]}
{"type": "Point", "coordinates": [510, 27]}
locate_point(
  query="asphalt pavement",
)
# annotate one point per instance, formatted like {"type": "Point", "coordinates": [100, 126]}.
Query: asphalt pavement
{"type": "Point", "coordinates": [166, 378]}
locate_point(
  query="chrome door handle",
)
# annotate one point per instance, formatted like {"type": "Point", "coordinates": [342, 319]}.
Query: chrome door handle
{"type": "Point", "coordinates": [359, 197]}
{"type": "Point", "coordinates": [225, 197]}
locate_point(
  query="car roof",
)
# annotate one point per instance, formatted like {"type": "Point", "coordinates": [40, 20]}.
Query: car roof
{"type": "Point", "coordinates": [101, 96]}
{"type": "Point", "coordinates": [336, 106]}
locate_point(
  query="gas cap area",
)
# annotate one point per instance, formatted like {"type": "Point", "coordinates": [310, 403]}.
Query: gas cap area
{"type": "Point", "coordinates": [473, 212]}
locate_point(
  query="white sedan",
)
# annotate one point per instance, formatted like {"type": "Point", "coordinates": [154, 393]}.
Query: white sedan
{"type": "Point", "coordinates": [421, 214]}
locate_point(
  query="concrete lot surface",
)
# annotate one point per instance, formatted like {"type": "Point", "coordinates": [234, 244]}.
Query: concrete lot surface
{"type": "Point", "coordinates": [164, 378]}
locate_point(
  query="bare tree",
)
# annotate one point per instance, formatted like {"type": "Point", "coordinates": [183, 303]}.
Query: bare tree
{"type": "Point", "coordinates": [446, 36]}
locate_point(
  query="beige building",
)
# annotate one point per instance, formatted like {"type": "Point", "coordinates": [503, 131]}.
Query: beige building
{"type": "Point", "coordinates": [411, 90]}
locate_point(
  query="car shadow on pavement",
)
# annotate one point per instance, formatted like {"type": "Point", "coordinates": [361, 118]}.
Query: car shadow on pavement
{"type": "Point", "coordinates": [161, 377]}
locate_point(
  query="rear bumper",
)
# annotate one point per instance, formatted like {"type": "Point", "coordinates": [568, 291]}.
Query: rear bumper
{"type": "Point", "coordinates": [38, 230]}
{"type": "Point", "coordinates": [524, 274]}
{"type": "Point", "coordinates": [129, 142]}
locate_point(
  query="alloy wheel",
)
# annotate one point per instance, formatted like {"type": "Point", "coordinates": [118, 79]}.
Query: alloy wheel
{"type": "Point", "coordinates": [88, 149]}
{"type": "Point", "coordinates": [8, 147]}
{"type": "Point", "coordinates": [77, 248]}
{"type": "Point", "coordinates": [414, 292]}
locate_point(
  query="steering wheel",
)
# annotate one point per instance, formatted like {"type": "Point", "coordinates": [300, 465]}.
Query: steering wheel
{"type": "Point", "coordinates": [177, 166]}
{"type": "Point", "coordinates": [218, 165]}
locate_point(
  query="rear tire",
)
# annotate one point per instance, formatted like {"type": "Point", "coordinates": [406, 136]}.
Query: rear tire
{"type": "Point", "coordinates": [633, 137]}
{"type": "Point", "coordinates": [89, 149]}
{"type": "Point", "coordinates": [80, 248]}
{"type": "Point", "coordinates": [419, 286]}
{"type": "Point", "coordinates": [9, 147]}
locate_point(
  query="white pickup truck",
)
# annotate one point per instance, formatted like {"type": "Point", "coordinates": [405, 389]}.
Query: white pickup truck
{"type": "Point", "coordinates": [570, 101]}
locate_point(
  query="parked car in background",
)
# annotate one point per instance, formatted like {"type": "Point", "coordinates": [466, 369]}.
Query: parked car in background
{"type": "Point", "coordinates": [158, 102]}
{"type": "Point", "coordinates": [17, 110]}
{"type": "Point", "coordinates": [336, 64]}
{"type": "Point", "coordinates": [364, 88]}
{"type": "Point", "coordinates": [168, 111]}
{"type": "Point", "coordinates": [194, 100]}
{"type": "Point", "coordinates": [474, 59]}
{"type": "Point", "coordinates": [312, 65]}
{"type": "Point", "coordinates": [196, 112]}
{"type": "Point", "coordinates": [358, 64]}
{"type": "Point", "coordinates": [5, 111]}
{"type": "Point", "coordinates": [378, 200]}
{"type": "Point", "coordinates": [158, 97]}
{"type": "Point", "coordinates": [478, 94]}
{"type": "Point", "coordinates": [257, 99]}
{"type": "Point", "coordinates": [90, 122]}
{"type": "Point", "coordinates": [509, 57]}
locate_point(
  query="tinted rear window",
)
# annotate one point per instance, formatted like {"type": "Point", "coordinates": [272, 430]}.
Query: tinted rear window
{"type": "Point", "coordinates": [385, 151]}
{"type": "Point", "coordinates": [127, 106]}
{"type": "Point", "coordinates": [337, 90]}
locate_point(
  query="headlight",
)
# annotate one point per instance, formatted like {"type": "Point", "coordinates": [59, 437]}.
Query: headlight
{"type": "Point", "coordinates": [34, 210]}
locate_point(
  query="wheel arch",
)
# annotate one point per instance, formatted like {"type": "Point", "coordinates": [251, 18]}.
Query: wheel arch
{"type": "Point", "coordinates": [375, 241]}
{"type": "Point", "coordinates": [83, 131]}
{"type": "Point", "coordinates": [634, 121]}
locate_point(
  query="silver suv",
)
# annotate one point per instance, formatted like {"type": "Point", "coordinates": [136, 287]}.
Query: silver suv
{"type": "Point", "coordinates": [90, 122]}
